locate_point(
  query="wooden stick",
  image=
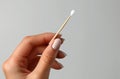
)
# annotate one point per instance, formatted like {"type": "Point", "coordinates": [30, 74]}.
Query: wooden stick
{"type": "Point", "coordinates": [61, 28]}
{"type": "Point", "coordinates": [63, 25]}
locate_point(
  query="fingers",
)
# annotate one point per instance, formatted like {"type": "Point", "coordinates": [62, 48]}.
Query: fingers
{"type": "Point", "coordinates": [56, 65]}
{"type": "Point", "coordinates": [33, 62]}
{"type": "Point", "coordinates": [29, 42]}
{"type": "Point", "coordinates": [39, 50]}
{"type": "Point", "coordinates": [61, 54]}
{"type": "Point", "coordinates": [48, 57]}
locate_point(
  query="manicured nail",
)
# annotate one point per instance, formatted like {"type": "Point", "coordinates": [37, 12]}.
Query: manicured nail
{"type": "Point", "coordinates": [62, 39]}
{"type": "Point", "coordinates": [61, 65]}
{"type": "Point", "coordinates": [56, 44]}
{"type": "Point", "coordinates": [64, 54]}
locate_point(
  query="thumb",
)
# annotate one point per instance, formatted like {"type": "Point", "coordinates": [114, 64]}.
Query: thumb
{"type": "Point", "coordinates": [48, 57]}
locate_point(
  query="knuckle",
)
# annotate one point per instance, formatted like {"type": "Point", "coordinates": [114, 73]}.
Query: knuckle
{"type": "Point", "coordinates": [8, 65]}
{"type": "Point", "coordinates": [28, 39]}
{"type": "Point", "coordinates": [5, 66]}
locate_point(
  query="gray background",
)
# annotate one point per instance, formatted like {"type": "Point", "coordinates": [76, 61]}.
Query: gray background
{"type": "Point", "coordinates": [92, 35]}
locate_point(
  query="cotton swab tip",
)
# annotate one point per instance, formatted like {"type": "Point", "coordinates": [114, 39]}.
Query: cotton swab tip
{"type": "Point", "coordinates": [72, 12]}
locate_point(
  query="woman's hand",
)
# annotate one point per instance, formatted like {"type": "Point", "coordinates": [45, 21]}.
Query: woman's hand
{"type": "Point", "coordinates": [34, 57]}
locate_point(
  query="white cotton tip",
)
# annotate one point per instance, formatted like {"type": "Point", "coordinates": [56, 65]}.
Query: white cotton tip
{"type": "Point", "coordinates": [72, 12]}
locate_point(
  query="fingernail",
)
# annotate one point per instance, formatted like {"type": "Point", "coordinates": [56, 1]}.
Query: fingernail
{"type": "Point", "coordinates": [62, 39]}
{"type": "Point", "coordinates": [61, 65]}
{"type": "Point", "coordinates": [64, 54]}
{"type": "Point", "coordinates": [56, 44]}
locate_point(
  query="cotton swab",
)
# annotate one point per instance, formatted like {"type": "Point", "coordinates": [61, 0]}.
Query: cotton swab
{"type": "Point", "coordinates": [63, 25]}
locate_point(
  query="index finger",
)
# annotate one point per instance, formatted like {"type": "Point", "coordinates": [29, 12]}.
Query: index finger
{"type": "Point", "coordinates": [29, 42]}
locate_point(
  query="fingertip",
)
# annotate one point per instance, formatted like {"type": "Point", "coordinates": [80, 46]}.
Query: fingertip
{"type": "Point", "coordinates": [49, 55]}
{"type": "Point", "coordinates": [61, 54]}
{"type": "Point", "coordinates": [56, 65]}
{"type": "Point", "coordinates": [56, 44]}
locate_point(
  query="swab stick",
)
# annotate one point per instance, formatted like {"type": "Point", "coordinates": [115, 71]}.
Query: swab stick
{"type": "Point", "coordinates": [63, 25]}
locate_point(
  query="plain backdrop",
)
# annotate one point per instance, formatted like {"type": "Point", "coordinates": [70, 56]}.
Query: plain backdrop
{"type": "Point", "coordinates": [92, 36]}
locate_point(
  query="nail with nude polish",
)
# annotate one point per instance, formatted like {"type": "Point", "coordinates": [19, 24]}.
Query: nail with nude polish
{"type": "Point", "coordinates": [56, 44]}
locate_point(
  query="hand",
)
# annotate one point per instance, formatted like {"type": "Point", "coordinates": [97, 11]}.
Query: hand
{"type": "Point", "coordinates": [25, 63]}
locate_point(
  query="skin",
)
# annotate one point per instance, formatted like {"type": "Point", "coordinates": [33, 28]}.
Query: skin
{"type": "Point", "coordinates": [24, 63]}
